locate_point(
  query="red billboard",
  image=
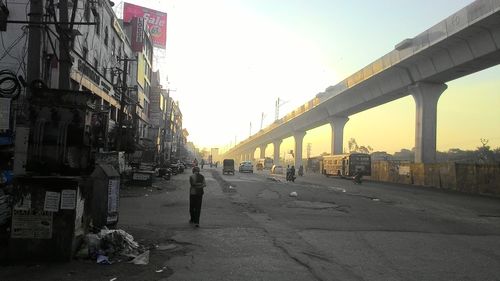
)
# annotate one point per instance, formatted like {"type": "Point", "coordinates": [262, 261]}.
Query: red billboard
{"type": "Point", "coordinates": [155, 21]}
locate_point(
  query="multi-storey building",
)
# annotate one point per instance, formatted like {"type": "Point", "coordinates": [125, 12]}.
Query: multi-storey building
{"type": "Point", "coordinates": [90, 49]}
{"type": "Point", "coordinates": [143, 49]}
{"type": "Point", "coordinates": [104, 63]}
{"type": "Point", "coordinates": [82, 49]}
{"type": "Point", "coordinates": [158, 117]}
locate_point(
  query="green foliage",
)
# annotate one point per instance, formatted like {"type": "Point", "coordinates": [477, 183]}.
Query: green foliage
{"type": "Point", "coordinates": [354, 147]}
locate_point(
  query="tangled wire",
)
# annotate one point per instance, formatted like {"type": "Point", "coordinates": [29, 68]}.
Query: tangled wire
{"type": "Point", "coordinates": [10, 87]}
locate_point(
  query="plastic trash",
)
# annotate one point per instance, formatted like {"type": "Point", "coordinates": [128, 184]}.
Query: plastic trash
{"type": "Point", "coordinates": [293, 194]}
{"type": "Point", "coordinates": [93, 243]}
{"type": "Point", "coordinates": [167, 247]}
{"type": "Point", "coordinates": [141, 259]}
{"type": "Point", "coordinates": [101, 259]}
{"type": "Point", "coordinates": [161, 270]}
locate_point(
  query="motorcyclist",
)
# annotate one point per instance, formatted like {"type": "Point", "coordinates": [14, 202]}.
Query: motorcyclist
{"type": "Point", "coordinates": [358, 177]}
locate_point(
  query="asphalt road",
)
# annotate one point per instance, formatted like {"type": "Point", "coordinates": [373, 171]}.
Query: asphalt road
{"type": "Point", "coordinates": [252, 229]}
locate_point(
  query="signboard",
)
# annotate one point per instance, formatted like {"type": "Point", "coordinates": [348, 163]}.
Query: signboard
{"type": "Point", "coordinates": [155, 21]}
{"type": "Point", "coordinates": [137, 40]}
{"type": "Point", "coordinates": [4, 113]}
{"type": "Point", "coordinates": [404, 170]}
{"type": "Point", "coordinates": [113, 197]}
{"type": "Point", "coordinates": [31, 224]}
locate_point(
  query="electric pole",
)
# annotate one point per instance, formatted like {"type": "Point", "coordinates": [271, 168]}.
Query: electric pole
{"type": "Point", "coordinates": [278, 104]}
{"type": "Point", "coordinates": [64, 42]}
{"type": "Point", "coordinates": [123, 95]}
{"type": "Point", "coordinates": [262, 120]}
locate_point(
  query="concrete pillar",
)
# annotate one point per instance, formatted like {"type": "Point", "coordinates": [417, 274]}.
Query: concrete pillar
{"type": "Point", "coordinates": [263, 151]}
{"type": "Point", "coordinates": [426, 96]}
{"type": "Point", "coordinates": [298, 137]}
{"type": "Point", "coordinates": [276, 145]}
{"type": "Point", "coordinates": [337, 124]}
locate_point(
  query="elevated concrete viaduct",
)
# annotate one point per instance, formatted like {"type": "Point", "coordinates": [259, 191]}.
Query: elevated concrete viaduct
{"type": "Point", "coordinates": [466, 42]}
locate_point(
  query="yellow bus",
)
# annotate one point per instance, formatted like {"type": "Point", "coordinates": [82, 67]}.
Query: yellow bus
{"type": "Point", "coordinates": [346, 165]}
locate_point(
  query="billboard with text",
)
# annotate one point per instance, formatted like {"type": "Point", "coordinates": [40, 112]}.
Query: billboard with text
{"type": "Point", "coordinates": [155, 21]}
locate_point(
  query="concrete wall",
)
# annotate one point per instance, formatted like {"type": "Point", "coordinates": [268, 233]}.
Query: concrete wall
{"type": "Point", "coordinates": [468, 178]}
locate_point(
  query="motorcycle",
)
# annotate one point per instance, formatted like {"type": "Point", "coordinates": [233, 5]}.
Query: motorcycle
{"type": "Point", "coordinates": [358, 178]}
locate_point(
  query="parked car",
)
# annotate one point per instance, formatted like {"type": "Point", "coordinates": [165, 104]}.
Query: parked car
{"type": "Point", "coordinates": [277, 169]}
{"type": "Point", "coordinates": [246, 166]}
{"type": "Point", "coordinates": [228, 166]}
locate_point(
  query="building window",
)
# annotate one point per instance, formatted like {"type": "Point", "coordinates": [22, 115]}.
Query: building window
{"type": "Point", "coordinates": [113, 46]}
{"type": "Point", "coordinates": [112, 113]}
{"type": "Point", "coordinates": [106, 35]}
{"type": "Point", "coordinates": [86, 12]}
{"type": "Point", "coordinates": [96, 64]}
{"type": "Point", "coordinates": [97, 20]}
{"type": "Point", "coordinates": [85, 53]}
{"type": "Point", "coordinates": [105, 72]}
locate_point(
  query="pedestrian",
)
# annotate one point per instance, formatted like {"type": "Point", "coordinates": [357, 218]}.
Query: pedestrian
{"type": "Point", "coordinates": [292, 173]}
{"type": "Point", "coordinates": [301, 170]}
{"type": "Point", "coordinates": [197, 182]}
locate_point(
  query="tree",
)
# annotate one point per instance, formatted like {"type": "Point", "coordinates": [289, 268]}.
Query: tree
{"type": "Point", "coordinates": [354, 147]}
{"type": "Point", "coordinates": [484, 153]}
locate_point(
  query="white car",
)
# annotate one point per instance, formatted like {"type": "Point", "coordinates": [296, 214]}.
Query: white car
{"type": "Point", "coordinates": [277, 169]}
{"type": "Point", "coordinates": [246, 166]}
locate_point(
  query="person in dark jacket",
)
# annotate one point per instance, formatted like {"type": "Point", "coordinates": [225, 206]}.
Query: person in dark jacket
{"type": "Point", "coordinates": [197, 182]}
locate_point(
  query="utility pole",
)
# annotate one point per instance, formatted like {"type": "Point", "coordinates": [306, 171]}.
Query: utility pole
{"type": "Point", "coordinates": [34, 40]}
{"type": "Point", "coordinates": [262, 120]}
{"type": "Point", "coordinates": [123, 95]}
{"type": "Point", "coordinates": [64, 38]}
{"type": "Point", "coordinates": [278, 104]}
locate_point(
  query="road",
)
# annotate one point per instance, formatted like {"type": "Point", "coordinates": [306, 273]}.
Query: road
{"type": "Point", "coordinates": [252, 229]}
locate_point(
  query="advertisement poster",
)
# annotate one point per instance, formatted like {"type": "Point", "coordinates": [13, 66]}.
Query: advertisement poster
{"type": "Point", "coordinates": [51, 203]}
{"type": "Point", "coordinates": [68, 199]}
{"type": "Point", "coordinates": [156, 22]}
{"type": "Point", "coordinates": [31, 224]}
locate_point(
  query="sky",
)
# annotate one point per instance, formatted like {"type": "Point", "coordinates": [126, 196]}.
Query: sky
{"type": "Point", "coordinates": [228, 61]}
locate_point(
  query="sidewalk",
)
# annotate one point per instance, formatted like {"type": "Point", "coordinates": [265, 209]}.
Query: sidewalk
{"type": "Point", "coordinates": [229, 245]}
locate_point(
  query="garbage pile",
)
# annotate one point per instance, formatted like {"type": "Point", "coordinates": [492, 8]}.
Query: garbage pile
{"type": "Point", "coordinates": [113, 245]}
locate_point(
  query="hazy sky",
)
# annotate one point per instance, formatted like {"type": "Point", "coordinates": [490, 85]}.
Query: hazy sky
{"type": "Point", "coordinates": [229, 60]}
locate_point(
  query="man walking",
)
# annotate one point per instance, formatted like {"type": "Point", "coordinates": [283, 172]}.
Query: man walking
{"type": "Point", "coordinates": [197, 182]}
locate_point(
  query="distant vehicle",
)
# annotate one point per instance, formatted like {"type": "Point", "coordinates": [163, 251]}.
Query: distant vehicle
{"type": "Point", "coordinates": [246, 166]}
{"type": "Point", "coordinates": [277, 169]}
{"type": "Point", "coordinates": [267, 163]}
{"type": "Point", "coordinates": [228, 166]}
{"type": "Point", "coordinates": [259, 166]}
{"type": "Point", "coordinates": [347, 165]}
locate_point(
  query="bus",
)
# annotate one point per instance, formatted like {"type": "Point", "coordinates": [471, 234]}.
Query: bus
{"type": "Point", "coordinates": [267, 163]}
{"type": "Point", "coordinates": [346, 165]}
